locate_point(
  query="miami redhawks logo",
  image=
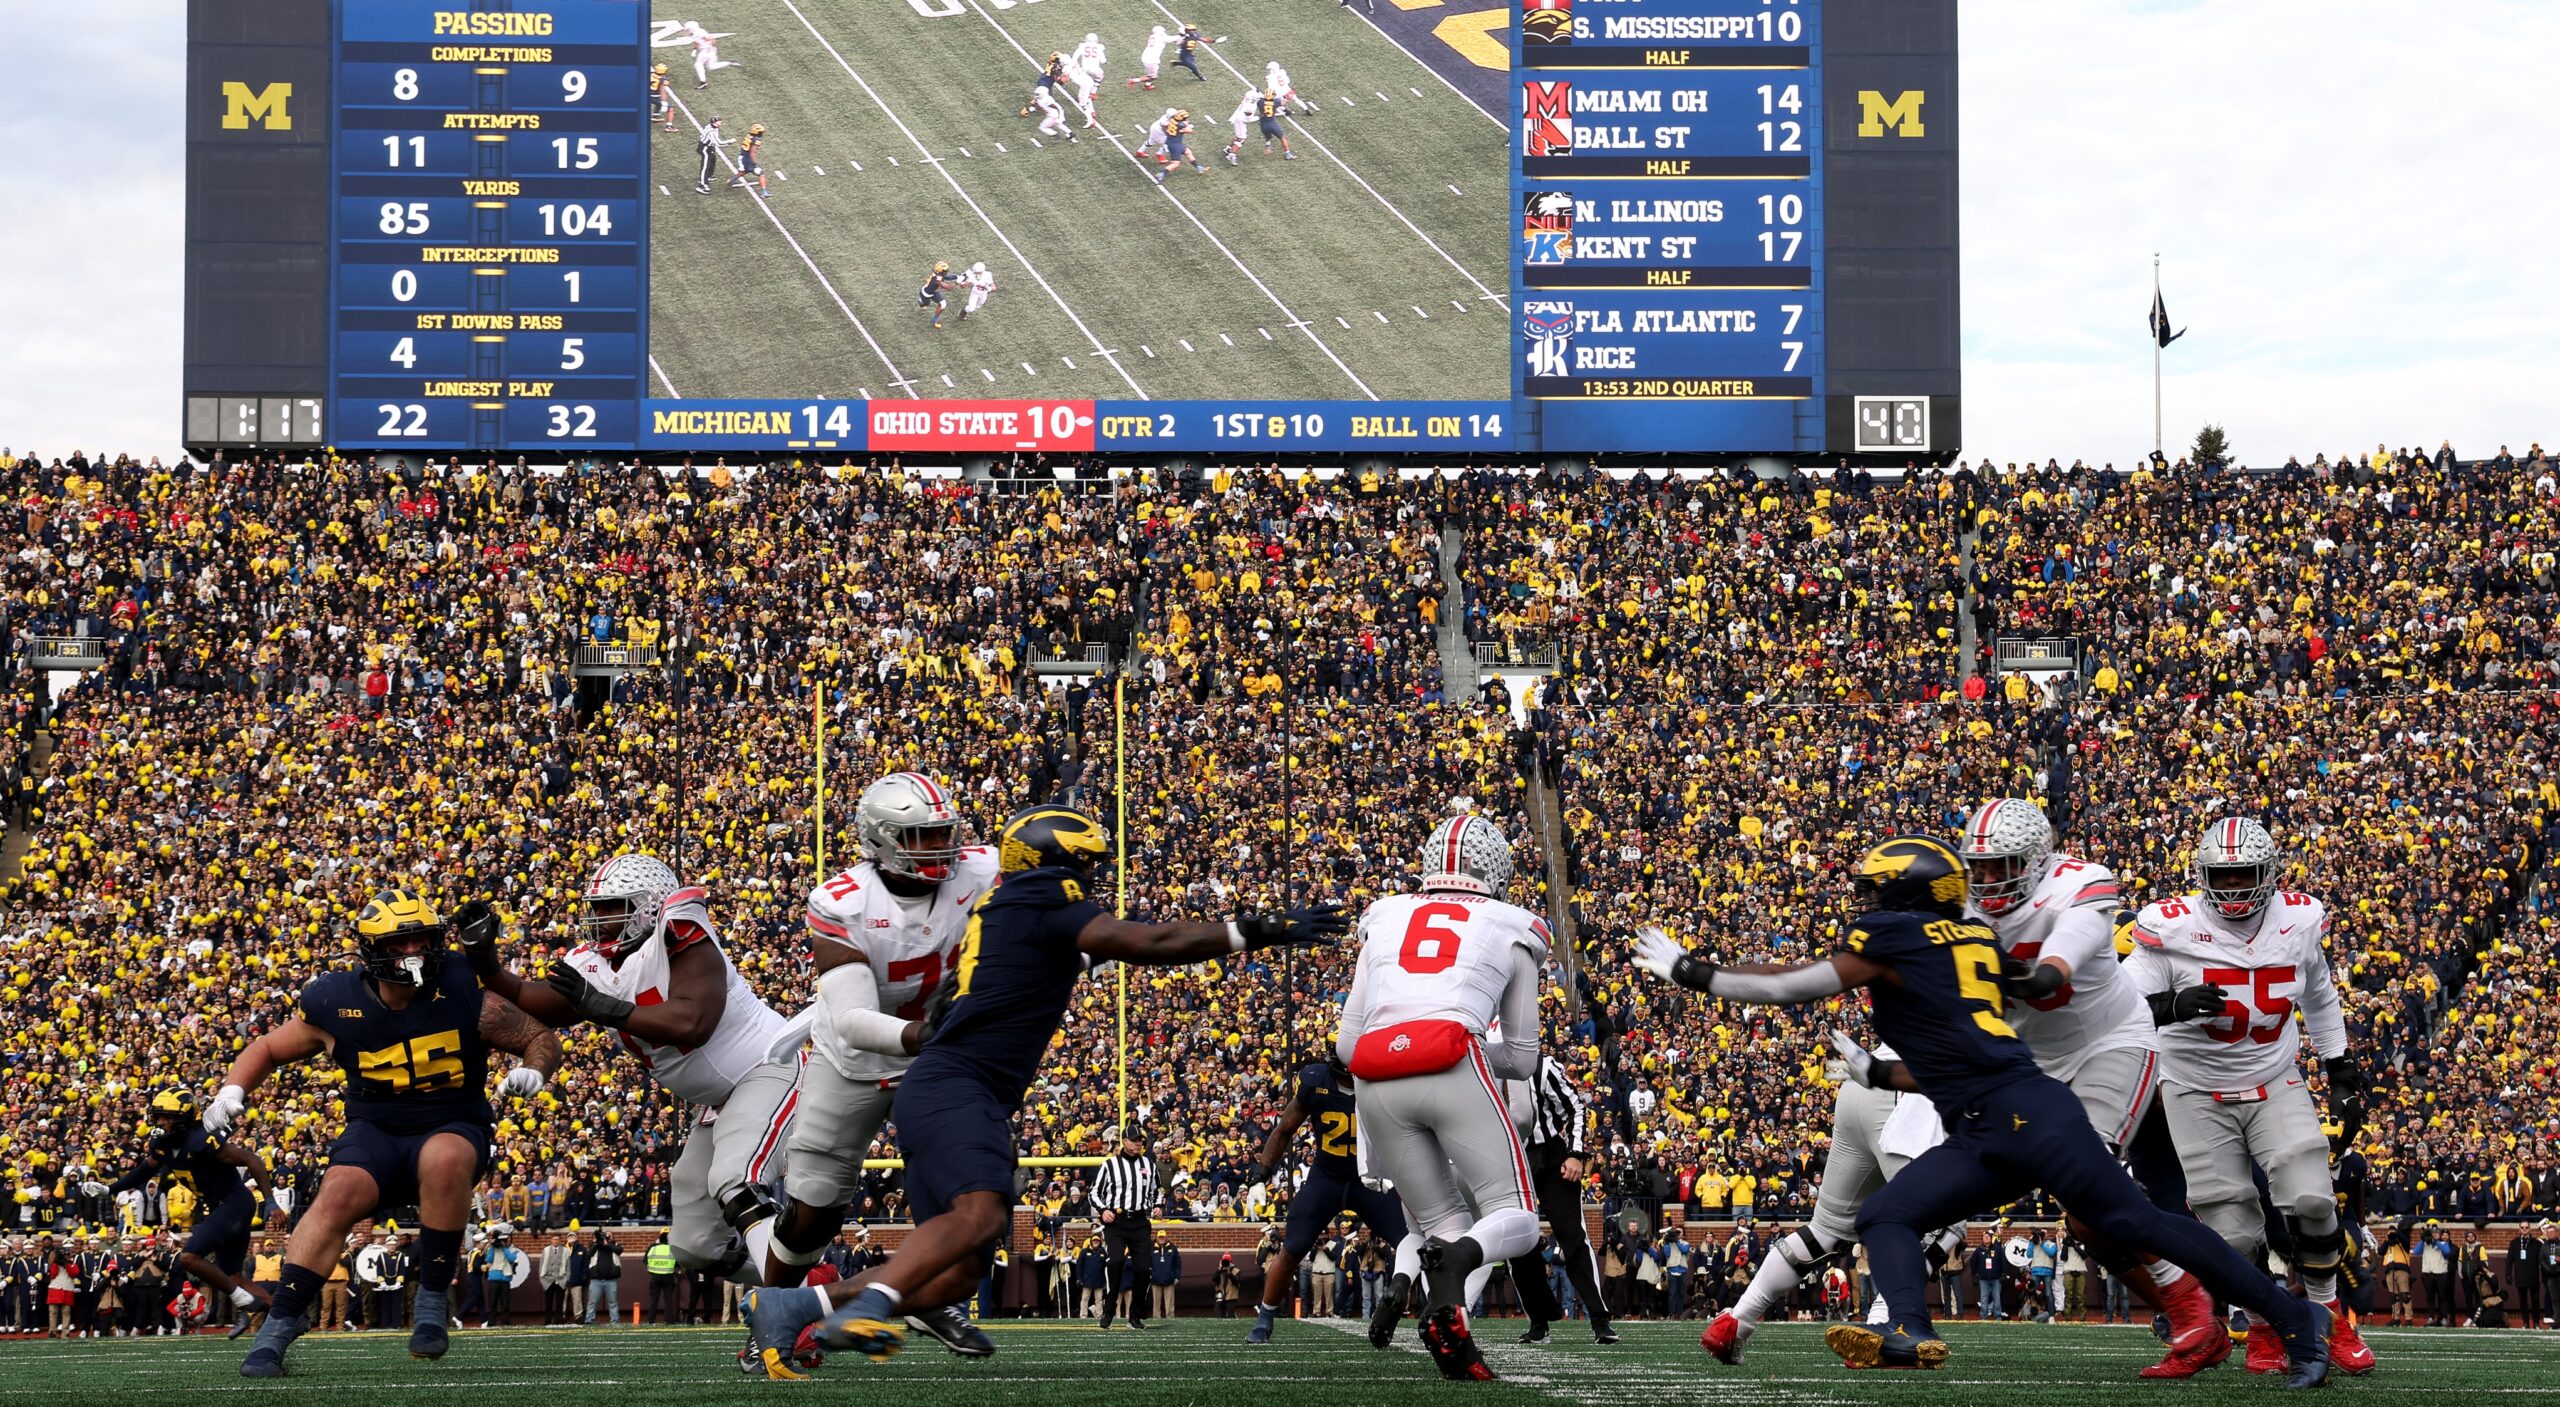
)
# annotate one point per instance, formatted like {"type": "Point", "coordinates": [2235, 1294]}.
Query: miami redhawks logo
{"type": "Point", "coordinates": [1546, 118]}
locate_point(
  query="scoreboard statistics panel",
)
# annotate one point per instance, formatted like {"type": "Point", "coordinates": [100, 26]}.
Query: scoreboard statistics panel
{"type": "Point", "coordinates": [426, 225]}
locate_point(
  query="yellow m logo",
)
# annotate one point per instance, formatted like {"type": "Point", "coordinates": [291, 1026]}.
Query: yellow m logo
{"type": "Point", "coordinates": [240, 107]}
{"type": "Point", "coordinates": [1902, 114]}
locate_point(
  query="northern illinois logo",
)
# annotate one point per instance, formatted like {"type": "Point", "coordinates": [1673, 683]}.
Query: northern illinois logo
{"type": "Point", "coordinates": [1548, 326]}
{"type": "Point", "coordinates": [1546, 118]}
{"type": "Point", "coordinates": [1546, 227]}
{"type": "Point", "coordinates": [1546, 21]}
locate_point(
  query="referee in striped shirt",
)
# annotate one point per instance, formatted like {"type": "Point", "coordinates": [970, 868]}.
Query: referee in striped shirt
{"type": "Point", "coordinates": [1556, 1162]}
{"type": "Point", "coordinates": [1124, 1195]}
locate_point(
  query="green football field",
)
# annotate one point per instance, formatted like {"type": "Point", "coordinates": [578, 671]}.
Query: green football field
{"type": "Point", "coordinates": [1203, 1361]}
{"type": "Point", "coordinates": [1371, 267]}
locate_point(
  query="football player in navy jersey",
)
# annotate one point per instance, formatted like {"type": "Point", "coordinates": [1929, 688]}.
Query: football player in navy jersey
{"type": "Point", "coordinates": [181, 1152]}
{"type": "Point", "coordinates": [1323, 1096]}
{"type": "Point", "coordinates": [1028, 942]}
{"type": "Point", "coordinates": [412, 1031]}
{"type": "Point", "coordinates": [1934, 975]}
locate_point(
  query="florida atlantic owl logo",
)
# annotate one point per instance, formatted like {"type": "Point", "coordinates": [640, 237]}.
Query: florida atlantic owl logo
{"type": "Point", "coordinates": [1548, 325]}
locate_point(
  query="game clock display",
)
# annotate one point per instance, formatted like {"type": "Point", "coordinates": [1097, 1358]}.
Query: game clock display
{"type": "Point", "coordinates": [1663, 227]}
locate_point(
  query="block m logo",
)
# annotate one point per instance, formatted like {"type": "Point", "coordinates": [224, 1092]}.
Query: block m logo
{"type": "Point", "coordinates": [268, 105]}
{"type": "Point", "coordinates": [1902, 114]}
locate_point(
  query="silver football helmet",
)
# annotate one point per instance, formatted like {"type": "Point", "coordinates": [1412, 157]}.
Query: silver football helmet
{"type": "Point", "coordinates": [2006, 846]}
{"type": "Point", "coordinates": [1469, 854]}
{"type": "Point", "coordinates": [624, 901]}
{"type": "Point", "coordinates": [2236, 867]}
{"type": "Point", "coordinates": [909, 828]}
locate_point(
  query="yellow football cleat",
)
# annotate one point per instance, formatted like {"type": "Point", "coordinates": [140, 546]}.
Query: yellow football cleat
{"type": "Point", "coordinates": [875, 1339]}
{"type": "Point", "coordinates": [1862, 1347]}
{"type": "Point", "coordinates": [777, 1366]}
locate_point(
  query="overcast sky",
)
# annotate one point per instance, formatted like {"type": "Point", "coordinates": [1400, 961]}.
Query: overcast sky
{"type": "Point", "coordinates": [2356, 203]}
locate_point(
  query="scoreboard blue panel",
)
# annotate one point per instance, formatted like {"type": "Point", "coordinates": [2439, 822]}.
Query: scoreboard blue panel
{"type": "Point", "coordinates": [489, 228]}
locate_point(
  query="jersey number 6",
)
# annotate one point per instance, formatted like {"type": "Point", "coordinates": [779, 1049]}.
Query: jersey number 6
{"type": "Point", "coordinates": [1429, 946]}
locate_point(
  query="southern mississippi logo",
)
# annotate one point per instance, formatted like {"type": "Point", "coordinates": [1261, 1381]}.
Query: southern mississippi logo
{"type": "Point", "coordinates": [1546, 226]}
{"type": "Point", "coordinates": [1548, 325]}
{"type": "Point", "coordinates": [1546, 118]}
{"type": "Point", "coordinates": [1546, 21]}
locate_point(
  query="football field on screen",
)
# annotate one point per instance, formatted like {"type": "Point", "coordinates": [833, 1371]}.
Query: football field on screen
{"type": "Point", "coordinates": [1373, 266]}
{"type": "Point", "coordinates": [1205, 1361]}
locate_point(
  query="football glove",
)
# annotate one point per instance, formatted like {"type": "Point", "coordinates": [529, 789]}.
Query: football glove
{"type": "Point", "coordinates": [1314, 926]}
{"type": "Point", "coordinates": [2199, 1003]}
{"type": "Point", "coordinates": [586, 999]}
{"type": "Point", "coordinates": [2030, 981]}
{"type": "Point", "coordinates": [522, 1082]}
{"type": "Point", "coordinates": [1858, 1062]}
{"type": "Point", "coordinates": [2347, 1086]}
{"type": "Point", "coordinates": [225, 1108]}
{"type": "Point", "coordinates": [1659, 953]}
{"type": "Point", "coordinates": [475, 928]}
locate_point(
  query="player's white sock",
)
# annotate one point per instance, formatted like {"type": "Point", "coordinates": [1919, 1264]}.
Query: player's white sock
{"type": "Point", "coordinates": [759, 1239]}
{"type": "Point", "coordinates": [1879, 1312]}
{"type": "Point", "coordinates": [1504, 1234]}
{"type": "Point", "coordinates": [1776, 1278]}
{"type": "Point", "coordinates": [241, 1296]}
{"type": "Point", "coordinates": [1476, 1279]}
{"type": "Point", "coordinates": [1409, 1256]}
{"type": "Point", "coordinates": [2166, 1273]}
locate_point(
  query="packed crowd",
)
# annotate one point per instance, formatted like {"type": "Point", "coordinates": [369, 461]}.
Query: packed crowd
{"type": "Point", "coordinates": [323, 679]}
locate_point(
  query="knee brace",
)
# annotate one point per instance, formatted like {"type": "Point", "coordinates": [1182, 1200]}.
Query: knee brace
{"type": "Point", "coordinates": [1802, 1248]}
{"type": "Point", "coordinates": [1940, 1249]}
{"type": "Point", "coordinates": [796, 1242]}
{"type": "Point", "coordinates": [745, 1205]}
{"type": "Point", "coordinates": [2317, 1236]}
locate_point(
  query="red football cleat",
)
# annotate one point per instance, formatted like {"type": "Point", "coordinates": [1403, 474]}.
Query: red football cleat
{"type": "Point", "coordinates": [1453, 1347]}
{"type": "Point", "coordinates": [1723, 1338]}
{"type": "Point", "coordinates": [2205, 1353]}
{"type": "Point", "coordinates": [2266, 1350]}
{"type": "Point", "coordinates": [2192, 1321]}
{"type": "Point", "coordinates": [2348, 1352]}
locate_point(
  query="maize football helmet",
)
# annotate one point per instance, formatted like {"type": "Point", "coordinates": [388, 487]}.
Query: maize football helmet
{"type": "Point", "coordinates": [400, 939]}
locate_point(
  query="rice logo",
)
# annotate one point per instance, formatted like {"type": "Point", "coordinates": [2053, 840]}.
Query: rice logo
{"type": "Point", "coordinates": [1548, 324]}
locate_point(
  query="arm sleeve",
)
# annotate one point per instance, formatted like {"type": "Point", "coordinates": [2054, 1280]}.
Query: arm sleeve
{"type": "Point", "coordinates": [850, 996]}
{"type": "Point", "coordinates": [1800, 984]}
{"type": "Point", "coordinates": [2322, 1016]}
{"type": "Point", "coordinates": [1355, 1014]}
{"type": "Point", "coordinates": [2083, 936]}
{"type": "Point", "coordinates": [1518, 1057]}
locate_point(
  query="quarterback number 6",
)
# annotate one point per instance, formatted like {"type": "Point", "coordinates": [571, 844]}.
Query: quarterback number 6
{"type": "Point", "coordinates": [2237, 1020]}
{"type": "Point", "coordinates": [1429, 946]}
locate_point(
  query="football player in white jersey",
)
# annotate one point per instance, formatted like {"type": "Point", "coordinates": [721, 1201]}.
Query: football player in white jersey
{"type": "Point", "coordinates": [1437, 969]}
{"type": "Point", "coordinates": [1151, 58]}
{"type": "Point", "coordinates": [649, 965]}
{"type": "Point", "coordinates": [1275, 81]}
{"type": "Point", "coordinates": [882, 934]}
{"type": "Point", "coordinates": [2224, 966]}
{"type": "Point", "coordinates": [1875, 1133]}
{"type": "Point", "coordinates": [1241, 120]}
{"type": "Point", "coordinates": [1084, 69]}
{"type": "Point", "coordinates": [2086, 1025]}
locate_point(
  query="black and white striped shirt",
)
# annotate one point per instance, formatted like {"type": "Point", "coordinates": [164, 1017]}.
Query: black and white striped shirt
{"type": "Point", "coordinates": [1125, 1184]}
{"type": "Point", "coordinates": [1558, 1116]}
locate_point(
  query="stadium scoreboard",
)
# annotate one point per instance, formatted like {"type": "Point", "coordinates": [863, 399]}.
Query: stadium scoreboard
{"type": "Point", "coordinates": [424, 226]}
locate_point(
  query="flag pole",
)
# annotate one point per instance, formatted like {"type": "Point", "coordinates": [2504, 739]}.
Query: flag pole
{"type": "Point", "coordinates": [2158, 442]}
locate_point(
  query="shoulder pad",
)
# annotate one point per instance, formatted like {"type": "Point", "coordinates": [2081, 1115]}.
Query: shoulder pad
{"type": "Point", "coordinates": [2145, 934]}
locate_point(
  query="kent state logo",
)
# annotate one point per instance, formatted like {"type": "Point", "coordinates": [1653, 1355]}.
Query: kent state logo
{"type": "Point", "coordinates": [1548, 324]}
{"type": "Point", "coordinates": [1546, 118]}
{"type": "Point", "coordinates": [1546, 226]}
{"type": "Point", "coordinates": [1546, 21]}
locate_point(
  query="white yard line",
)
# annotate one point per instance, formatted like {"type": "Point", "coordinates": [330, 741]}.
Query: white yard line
{"type": "Point", "coordinates": [1167, 193]}
{"type": "Point", "coordinates": [662, 376]}
{"type": "Point", "coordinates": [954, 182]}
{"type": "Point", "coordinates": [897, 378]}
{"type": "Point", "coordinates": [1452, 87]}
{"type": "Point", "coordinates": [1318, 143]}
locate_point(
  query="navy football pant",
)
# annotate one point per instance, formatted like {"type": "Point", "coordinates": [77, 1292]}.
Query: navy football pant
{"type": "Point", "coordinates": [2034, 1133]}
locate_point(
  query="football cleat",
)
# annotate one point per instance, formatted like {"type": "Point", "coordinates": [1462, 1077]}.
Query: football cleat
{"type": "Point", "coordinates": [2348, 1352]}
{"type": "Point", "coordinates": [266, 1356]}
{"type": "Point", "coordinates": [2207, 1352]}
{"type": "Point", "coordinates": [1263, 1318]}
{"type": "Point", "coordinates": [1537, 1336]}
{"type": "Point", "coordinates": [428, 1337]}
{"type": "Point", "coordinates": [861, 1327]}
{"type": "Point", "coordinates": [1862, 1347]}
{"type": "Point", "coordinates": [238, 1327]}
{"type": "Point", "coordinates": [778, 1323]}
{"type": "Point", "coordinates": [1390, 1311]}
{"type": "Point", "coordinates": [2191, 1320]}
{"type": "Point", "coordinates": [1446, 1266]}
{"type": "Point", "coordinates": [1604, 1336]}
{"type": "Point", "coordinates": [2308, 1350]}
{"type": "Point", "coordinates": [1724, 1338]}
{"type": "Point", "coordinates": [951, 1325]}
{"type": "Point", "coordinates": [2266, 1349]}
{"type": "Point", "coordinates": [1453, 1348]}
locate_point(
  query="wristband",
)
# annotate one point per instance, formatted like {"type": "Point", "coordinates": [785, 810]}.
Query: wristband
{"type": "Point", "coordinates": [1235, 936]}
